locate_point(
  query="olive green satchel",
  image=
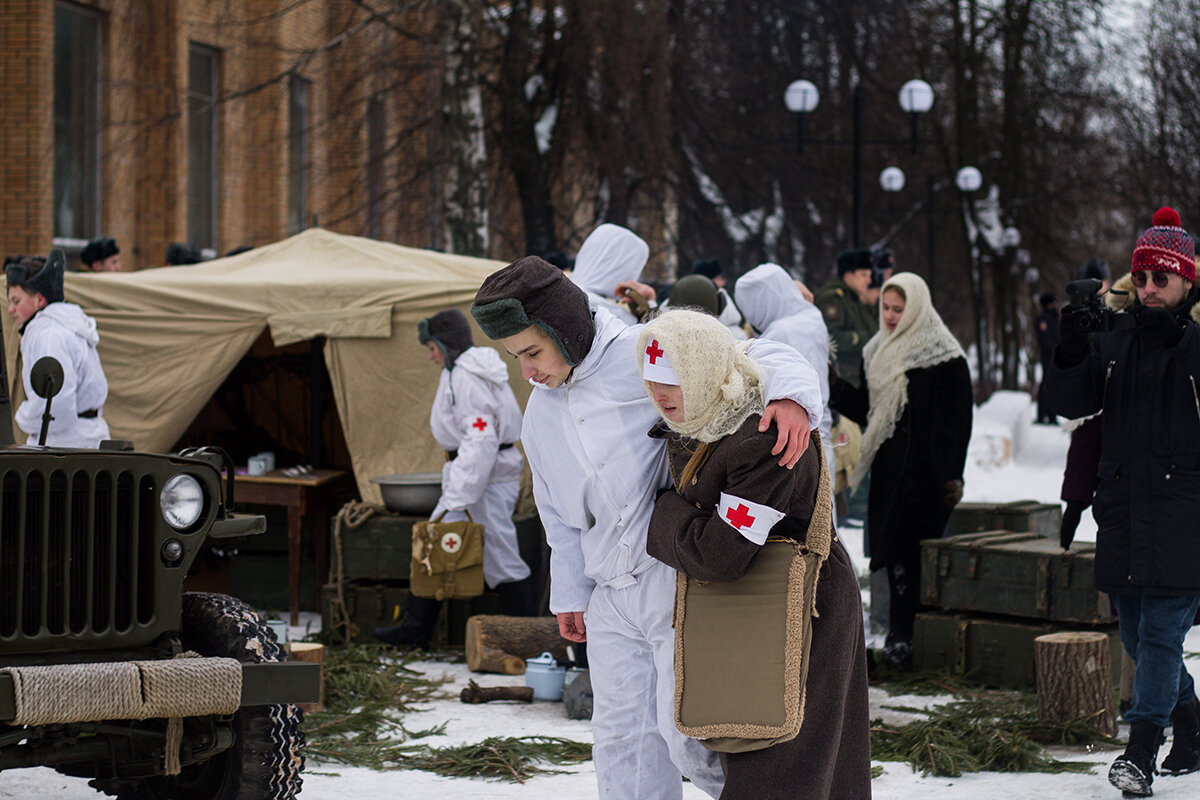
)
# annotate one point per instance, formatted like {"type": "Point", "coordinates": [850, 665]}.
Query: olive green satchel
{"type": "Point", "coordinates": [742, 648]}
{"type": "Point", "coordinates": [447, 559]}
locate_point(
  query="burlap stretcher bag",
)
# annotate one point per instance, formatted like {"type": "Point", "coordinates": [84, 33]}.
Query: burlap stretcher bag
{"type": "Point", "coordinates": [447, 559]}
{"type": "Point", "coordinates": [742, 649]}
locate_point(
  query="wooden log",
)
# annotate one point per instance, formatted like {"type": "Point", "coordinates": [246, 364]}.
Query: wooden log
{"type": "Point", "coordinates": [1074, 678]}
{"type": "Point", "coordinates": [497, 643]}
{"type": "Point", "coordinates": [313, 653]}
{"type": "Point", "coordinates": [474, 693]}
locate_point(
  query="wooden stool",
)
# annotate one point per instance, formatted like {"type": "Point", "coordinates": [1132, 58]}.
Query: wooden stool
{"type": "Point", "coordinates": [1074, 678]}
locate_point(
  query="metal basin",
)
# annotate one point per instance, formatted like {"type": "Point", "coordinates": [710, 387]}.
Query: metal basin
{"type": "Point", "coordinates": [413, 493]}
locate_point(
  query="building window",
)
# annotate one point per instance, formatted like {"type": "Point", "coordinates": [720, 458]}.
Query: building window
{"type": "Point", "coordinates": [202, 146]}
{"type": "Point", "coordinates": [298, 155]}
{"type": "Point", "coordinates": [375, 159]}
{"type": "Point", "coordinates": [76, 122]}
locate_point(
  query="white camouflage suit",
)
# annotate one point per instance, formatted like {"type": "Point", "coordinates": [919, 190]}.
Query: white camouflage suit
{"type": "Point", "coordinates": [474, 412]}
{"type": "Point", "coordinates": [596, 474]}
{"type": "Point", "coordinates": [776, 310]}
{"type": "Point", "coordinates": [64, 331]}
{"type": "Point", "coordinates": [609, 255]}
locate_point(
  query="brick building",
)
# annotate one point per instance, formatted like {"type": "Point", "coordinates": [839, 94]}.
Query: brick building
{"type": "Point", "coordinates": [219, 123]}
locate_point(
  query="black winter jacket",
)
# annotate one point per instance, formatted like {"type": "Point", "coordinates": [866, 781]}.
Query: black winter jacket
{"type": "Point", "coordinates": [1147, 503]}
{"type": "Point", "coordinates": [910, 469]}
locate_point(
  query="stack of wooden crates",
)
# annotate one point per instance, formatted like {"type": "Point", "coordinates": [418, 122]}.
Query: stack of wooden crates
{"type": "Point", "coordinates": [999, 579]}
{"type": "Point", "coordinates": [376, 559]}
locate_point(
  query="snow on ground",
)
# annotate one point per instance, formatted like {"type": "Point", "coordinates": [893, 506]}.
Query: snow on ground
{"type": "Point", "coordinates": [1010, 459]}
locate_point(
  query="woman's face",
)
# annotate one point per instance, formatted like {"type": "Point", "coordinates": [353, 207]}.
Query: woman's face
{"type": "Point", "coordinates": [892, 307]}
{"type": "Point", "coordinates": [23, 304]}
{"type": "Point", "coordinates": [541, 360]}
{"type": "Point", "coordinates": [669, 400]}
{"type": "Point", "coordinates": [436, 355]}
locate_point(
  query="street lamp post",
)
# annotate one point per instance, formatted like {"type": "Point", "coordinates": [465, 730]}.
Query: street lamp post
{"type": "Point", "coordinates": [969, 179]}
{"type": "Point", "coordinates": [802, 97]}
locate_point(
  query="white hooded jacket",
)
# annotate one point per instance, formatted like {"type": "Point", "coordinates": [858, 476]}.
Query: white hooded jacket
{"type": "Point", "coordinates": [596, 472]}
{"type": "Point", "coordinates": [609, 255]}
{"type": "Point", "coordinates": [64, 331]}
{"type": "Point", "coordinates": [776, 310]}
{"type": "Point", "coordinates": [474, 412]}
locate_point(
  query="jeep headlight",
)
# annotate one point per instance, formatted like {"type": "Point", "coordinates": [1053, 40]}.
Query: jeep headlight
{"type": "Point", "coordinates": [182, 501]}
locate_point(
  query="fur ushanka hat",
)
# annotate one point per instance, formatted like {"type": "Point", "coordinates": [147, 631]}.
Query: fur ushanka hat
{"type": "Point", "coordinates": [47, 281]}
{"type": "Point", "coordinates": [531, 291]}
{"type": "Point", "coordinates": [450, 331]}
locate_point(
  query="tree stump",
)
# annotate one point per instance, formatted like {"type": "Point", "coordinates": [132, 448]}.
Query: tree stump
{"type": "Point", "coordinates": [314, 653]}
{"type": "Point", "coordinates": [497, 643]}
{"type": "Point", "coordinates": [1074, 678]}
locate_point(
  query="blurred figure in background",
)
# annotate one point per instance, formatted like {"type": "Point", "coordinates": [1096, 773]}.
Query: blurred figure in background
{"type": "Point", "coordinates": [1046, 328]}
{"type": "Point", "coordinates": [101, 255]}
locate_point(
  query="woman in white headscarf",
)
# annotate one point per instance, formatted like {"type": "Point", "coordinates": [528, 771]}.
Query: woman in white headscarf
{"type": "Point", "coordinates": [731, 494]}
{"type": "Point", "coordinates": [917, 408]}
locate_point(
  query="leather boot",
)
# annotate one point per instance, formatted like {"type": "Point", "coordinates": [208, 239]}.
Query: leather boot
{"type": "Point", "coordinates": [420, 618]}
{"type": "Point", "coordinates": [1133, 771]}
{"type": "Point", "coordinates": [1185, 745]}
{"type": "Point", "coordinates": [516, 598]}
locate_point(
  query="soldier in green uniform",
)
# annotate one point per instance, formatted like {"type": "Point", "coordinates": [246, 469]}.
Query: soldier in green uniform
{"type": "Point", "coordinates": [851, 322]}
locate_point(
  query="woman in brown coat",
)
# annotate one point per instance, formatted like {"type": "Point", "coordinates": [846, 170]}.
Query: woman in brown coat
{"type": "Point", "coordinates": [713, 527]}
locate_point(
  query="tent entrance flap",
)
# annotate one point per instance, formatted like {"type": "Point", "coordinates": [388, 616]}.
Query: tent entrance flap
{"type": "Point", "coordinates": [290, 327]}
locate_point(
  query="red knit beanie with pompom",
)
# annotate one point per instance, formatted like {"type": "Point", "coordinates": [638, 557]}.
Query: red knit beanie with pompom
{"type": "Point", "coordinates": [1166, 246]}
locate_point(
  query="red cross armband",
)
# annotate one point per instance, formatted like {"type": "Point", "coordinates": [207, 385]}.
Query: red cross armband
{"type": "Point", "coordinates": [752, 520]}
{"type": "Point", "coordinates": [479, 426]}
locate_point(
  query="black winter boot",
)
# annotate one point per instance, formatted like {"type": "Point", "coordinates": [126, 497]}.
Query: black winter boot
{"type": "Point", "coordinates": [1133, 771]}
{"type": "Point", "coordinates": [1185, 745]}
{"type": "Point", "coordinates": [420, 618]}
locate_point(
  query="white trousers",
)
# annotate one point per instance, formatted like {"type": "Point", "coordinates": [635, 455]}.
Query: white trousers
{"type": "Point", "coordinates": [638, 751]}
{"type": "Point", "coordinates": [493, 510]}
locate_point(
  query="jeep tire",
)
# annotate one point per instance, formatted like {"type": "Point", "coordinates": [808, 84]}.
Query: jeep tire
{"type": "Point", "coordinates": [267, 757]}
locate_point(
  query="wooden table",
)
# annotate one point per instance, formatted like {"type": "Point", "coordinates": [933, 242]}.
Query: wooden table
{"type": "Point", "coordinates": [301, 495]}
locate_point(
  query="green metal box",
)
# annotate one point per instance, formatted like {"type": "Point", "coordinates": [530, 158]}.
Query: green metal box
{"type": "Point", "coordinates": [378, 550]}
{"type": "Point", "coordinates": [1044, 519]}
{"type": "Point", "coordinates": [995, 651]}
{"type": "Point", "coordinates": [1017, 574]}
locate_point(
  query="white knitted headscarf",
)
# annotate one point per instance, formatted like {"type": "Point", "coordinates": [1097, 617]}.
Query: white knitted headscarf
{"type": "Point", "coordinates": [920, 340]}
{"type": "Point", "coordinates": [722, 386]}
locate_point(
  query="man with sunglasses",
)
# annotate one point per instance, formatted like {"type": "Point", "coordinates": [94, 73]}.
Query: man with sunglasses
{"type": "Point", "coordinates": [1146, 380]}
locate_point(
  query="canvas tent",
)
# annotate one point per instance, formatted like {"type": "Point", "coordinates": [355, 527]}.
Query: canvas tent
{"type": "Point", "coordinates": [170, 336]}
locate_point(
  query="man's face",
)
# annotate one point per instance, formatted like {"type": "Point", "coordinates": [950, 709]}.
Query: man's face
{"type": "Point", "coordinates": [858, 280]}
{"type": "Point", "coordinates": [541, 360]}
{"type": "Point", "coordinates": [110, 264]}
{"type": "Point", "coordinates": [1167, 296]}
{"type": "Point", "coordinates": [23, 304]}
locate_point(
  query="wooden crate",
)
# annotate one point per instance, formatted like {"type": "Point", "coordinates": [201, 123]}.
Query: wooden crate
{"type": "Point", "coordinates": [1044, 519]}
{"type": "Point", "coordinates": [995, 651]}
{"type": "Point", "coordinates": [378, 604]}
{"type": "Point", "coordinates": [1017, 574]}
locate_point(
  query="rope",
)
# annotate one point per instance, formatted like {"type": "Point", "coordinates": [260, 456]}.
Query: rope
{"type": "Point", "coordinates": [352, 515]}
{"type": "Point", "coordinates": [188, 687]}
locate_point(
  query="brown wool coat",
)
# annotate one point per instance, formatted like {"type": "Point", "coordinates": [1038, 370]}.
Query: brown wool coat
{"type": "Point", "coordinates": [831, 756]}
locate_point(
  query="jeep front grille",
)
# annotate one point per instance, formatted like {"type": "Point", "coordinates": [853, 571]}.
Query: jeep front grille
{"type": "Point", "coordinates": [78, 554]}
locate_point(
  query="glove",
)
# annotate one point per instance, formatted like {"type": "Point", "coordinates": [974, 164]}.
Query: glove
{"type": "Point", "coordinates": [1070, 521]}
{"type": "Point", "coordinates": [1159, 325]}
{"type": "Point", "coordinates": [1073, 339]}
{"type": "Point", "coordinates": [952, 493]}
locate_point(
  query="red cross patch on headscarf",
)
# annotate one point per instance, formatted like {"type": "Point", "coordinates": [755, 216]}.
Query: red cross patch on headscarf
{"type": "Point", "coordinates": [656, 366]}
{"type": "Point", "coordinates": [752, 520]}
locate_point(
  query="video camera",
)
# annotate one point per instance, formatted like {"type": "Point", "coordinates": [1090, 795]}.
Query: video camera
{"type": "Point", "coordinates": [1093, 315]}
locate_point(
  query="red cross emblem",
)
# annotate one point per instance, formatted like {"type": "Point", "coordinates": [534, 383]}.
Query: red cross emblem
{"type": "Point", "coordinates": [738, 517]}
{"type": "Point", "coordinates": [479, 424]}
{"type": "Point", "coordinates": [652, 352]}
{"type": "Point", "coordinates": [451, 543]}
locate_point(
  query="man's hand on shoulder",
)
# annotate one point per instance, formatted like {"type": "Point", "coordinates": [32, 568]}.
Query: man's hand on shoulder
{"type": "Point", "coordinates": [792, 421]}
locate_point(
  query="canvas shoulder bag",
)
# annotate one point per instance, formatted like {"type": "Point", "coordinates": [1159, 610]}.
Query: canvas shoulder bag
{"type": "Point", "coordinates": [742, 649]}
{"type": "Point", "coordinates": [447, 559]}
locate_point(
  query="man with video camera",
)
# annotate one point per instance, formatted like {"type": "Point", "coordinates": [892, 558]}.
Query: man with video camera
{"type": "Point", "coordinates": [1142, 369]}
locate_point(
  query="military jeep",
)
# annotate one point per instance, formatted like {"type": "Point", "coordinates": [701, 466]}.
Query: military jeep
{"type": "Point", "coordinates": [108, 670]}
